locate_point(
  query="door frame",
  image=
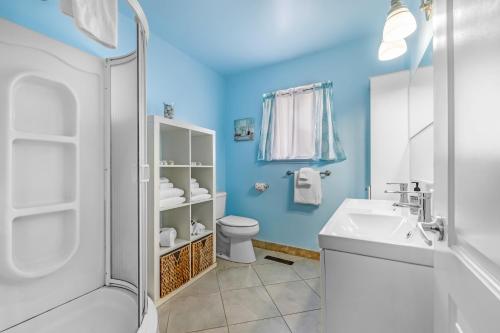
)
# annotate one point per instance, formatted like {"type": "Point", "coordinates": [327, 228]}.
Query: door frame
{"type": "Point", "coordinates": [460, 270]}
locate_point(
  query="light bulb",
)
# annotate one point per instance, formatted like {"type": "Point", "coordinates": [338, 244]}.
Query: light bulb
{"type": "Point", "coordinates": [400, 22]}
{"type": "Point", "coordinates": [391, 50]}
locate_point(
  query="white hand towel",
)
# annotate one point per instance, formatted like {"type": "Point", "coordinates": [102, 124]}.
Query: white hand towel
{"type": "Point", "coordinates": [165, 186]}
{"type": "Point", "coordinates": [200, 197]}
{"type": "Point", "coordinates": [309, 194]}
{"type": "Point", "coordinates": [164, 180]}
{"type": "Point", "coordinates": [305, 175]}
{"type": "Point", "coordinates": [171, 193]}
{"type": "Point", "coordinates": [167, 236]}
{"type": "Point", "coordinates": [197, 191]}
{"type": "Point", "coordinates": [171, 202]}
{"type": "Point", "coordinates": [195, 185]}
{"type": "Point", "coordinates": [96, 18]}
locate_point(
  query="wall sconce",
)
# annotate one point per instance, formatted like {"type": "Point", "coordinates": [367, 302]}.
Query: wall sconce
{"type": "Point", "coordinates": [400, 22]}
{"type": "Point", "coordinates": [426, 7]}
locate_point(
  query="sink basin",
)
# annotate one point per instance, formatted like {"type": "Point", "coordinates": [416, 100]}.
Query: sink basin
{"type": "Point", "coordinates": [373, 226]}
{"type": "Point", "coordinates": [376, 228]}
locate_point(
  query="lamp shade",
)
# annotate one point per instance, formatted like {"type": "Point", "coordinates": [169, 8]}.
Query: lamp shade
{"type": "Point", "coordinates": [391, 50]}
{"type": "Point", "coordinates": [400, 22]}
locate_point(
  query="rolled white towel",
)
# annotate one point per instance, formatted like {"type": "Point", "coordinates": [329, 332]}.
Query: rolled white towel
{"type": "Point", "coordinates": [200, 197]}
{"type": "Point", "coordinates": [164, 180]}
{"type": "Point", "coordinates": [166, 186]}
{"type": "Point", "coordinates": [170, 202]}
{"type": "Point", "coordinates": [171, 193]}
{"type": "Point", "coordinates": [197, 228]}
{"type": "Point", "coordinates": [195, 185]}
{"type": "Point", "coordinates": [198, 191]}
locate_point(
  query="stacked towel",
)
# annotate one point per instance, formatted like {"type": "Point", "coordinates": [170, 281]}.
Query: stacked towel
{"type": "Point", "coordinates": [198, 193]}
{"type": "Point", "coordinates": [169, 195]}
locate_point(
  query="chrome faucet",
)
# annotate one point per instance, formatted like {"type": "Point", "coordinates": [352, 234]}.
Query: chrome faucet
{"type": "Point", "coordinates": [424, 205]}
{"type": "Point", "coordinates": [403, 192]}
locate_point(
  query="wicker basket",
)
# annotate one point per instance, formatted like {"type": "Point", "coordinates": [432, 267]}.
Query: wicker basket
{"type": "Point", "coordinates": [202, 252]}
{"type": "Point", "coordinates": [174, 270]}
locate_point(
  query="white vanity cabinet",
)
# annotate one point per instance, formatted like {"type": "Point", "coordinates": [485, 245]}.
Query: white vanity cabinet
{"type": "Point", "coordinates": [368, 294]}
{"type": "Point", "coordinates": [376, 271]}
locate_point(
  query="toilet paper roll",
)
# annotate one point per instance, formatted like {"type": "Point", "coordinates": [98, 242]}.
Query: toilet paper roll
{"type": "Point", "coordinates": [261, 187]}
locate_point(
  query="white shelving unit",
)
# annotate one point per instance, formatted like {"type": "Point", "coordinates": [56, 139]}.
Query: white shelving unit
{"type": "Point", "coordinates": [182, 143]}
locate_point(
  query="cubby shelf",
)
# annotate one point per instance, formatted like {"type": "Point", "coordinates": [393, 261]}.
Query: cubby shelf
{"type": "Point", "coordinates": [177, 244]}
{"type": "Point", "coordinates": [201, 235]}
{"type": "Point", "coordinates": [186, 145]}
{"type": "Point", "coordinates": [174, 166]}
{"type": "Point", "coordinates": [162, 209]}
{"type": "Point", "coordinates": [200, 201]}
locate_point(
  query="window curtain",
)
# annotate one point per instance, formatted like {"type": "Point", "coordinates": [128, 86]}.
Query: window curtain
{"type": "Point", "coordinates": [298, 124]}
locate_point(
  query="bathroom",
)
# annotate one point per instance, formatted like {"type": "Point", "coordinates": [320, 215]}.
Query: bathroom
{"type": "Point", "coordinates": [145, 185]}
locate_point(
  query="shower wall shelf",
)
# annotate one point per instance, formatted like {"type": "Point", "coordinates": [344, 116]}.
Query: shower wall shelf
{"type": "Point", "coordinates": [186, 145]}
{"type": "Point", "coordinates": [41, 231]}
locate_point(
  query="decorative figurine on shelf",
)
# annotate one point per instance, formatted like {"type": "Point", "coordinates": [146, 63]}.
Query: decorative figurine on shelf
{"type": "Point", "coordinates": [168, 111]}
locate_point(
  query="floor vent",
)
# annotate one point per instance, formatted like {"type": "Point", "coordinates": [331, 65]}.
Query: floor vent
{"type": "Point", "coordinates": [281, 261]}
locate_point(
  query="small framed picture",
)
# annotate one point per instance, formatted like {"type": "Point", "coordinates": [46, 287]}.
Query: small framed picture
{"type": "Point", "coordinates": [244, 129]}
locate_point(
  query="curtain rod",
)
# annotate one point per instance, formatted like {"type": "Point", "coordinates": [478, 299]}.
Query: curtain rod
{"type": "Point", "coordinates": [298, 89]}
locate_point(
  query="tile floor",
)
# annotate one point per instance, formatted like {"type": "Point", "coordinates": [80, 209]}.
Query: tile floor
{"type": "Point", "coordinates": [264, 297]}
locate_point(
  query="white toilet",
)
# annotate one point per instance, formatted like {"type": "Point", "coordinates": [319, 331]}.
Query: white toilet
{"type": "Point", "coordinates": [234, 234]}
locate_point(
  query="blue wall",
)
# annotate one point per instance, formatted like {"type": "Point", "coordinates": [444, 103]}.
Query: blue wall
{"type": "Point", "coordinates": [203, 97]}
{"type": "Point", "coordinates": [196, 90]}
{"type": "Point", "coordinates": [349, 67]}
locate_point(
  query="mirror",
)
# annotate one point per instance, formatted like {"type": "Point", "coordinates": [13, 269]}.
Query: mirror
{"type": "Point", "coordinates": [421, 120]}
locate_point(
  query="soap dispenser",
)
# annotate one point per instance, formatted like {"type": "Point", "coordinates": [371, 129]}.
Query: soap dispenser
{"type": "Point", "coordinates": [414, 198]}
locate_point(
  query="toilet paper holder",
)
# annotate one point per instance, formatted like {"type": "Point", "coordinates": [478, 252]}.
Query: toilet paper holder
{"type": "Point", "coordinates": [261, 187]}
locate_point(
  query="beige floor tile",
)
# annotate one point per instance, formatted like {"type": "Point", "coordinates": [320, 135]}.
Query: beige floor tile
{"type": "Point", "coordinates": [238, 278]}
{"type": "Point", "coordinates": [208, 284]}
{"type": "Point", "coordinates": [276, 273]}
{"type": "Point", "coordinates": [307, 268]}
{"type": "Point", "coordinates": [315, 284]}
{"type": "Point", "coordinates": [272, 325]}
{"type": "Point", "coordinates": [195, 313]}
{"type": "Point", "coordinates": [305, 322]}
{"type": "Point", "coordinates": [293, 297]}
{"type": "Point", "coordinates": [163, 313]}
{"type": "Point", "coordinates": [248, 304]}
{"type": "Point", "coordinates": [215, 330]}
{"type": "Point", "coordinates": [225, 264]}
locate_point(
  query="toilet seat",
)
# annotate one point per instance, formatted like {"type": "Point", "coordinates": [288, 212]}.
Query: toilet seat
{"type": "Point", "coordinates": [238, 221]}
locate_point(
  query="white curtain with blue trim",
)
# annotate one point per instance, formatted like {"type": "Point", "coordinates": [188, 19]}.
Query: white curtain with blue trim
{"type": "Point", "coordinates": [298, 124]}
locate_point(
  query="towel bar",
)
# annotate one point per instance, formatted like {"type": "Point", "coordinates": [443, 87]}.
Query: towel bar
{"type": "Point", "coordinates": [323, 173]}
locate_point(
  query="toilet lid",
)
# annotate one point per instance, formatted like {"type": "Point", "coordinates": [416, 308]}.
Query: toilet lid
{"type": "Point", "coordinates": [238, 221]}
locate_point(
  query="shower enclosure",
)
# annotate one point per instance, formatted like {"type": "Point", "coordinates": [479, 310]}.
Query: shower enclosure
{"type": "Point", "coordinates": [73, 179]}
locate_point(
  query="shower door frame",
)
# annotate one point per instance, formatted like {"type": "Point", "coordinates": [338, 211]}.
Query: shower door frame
{"type": "Point", "coordinates": [139, 55]}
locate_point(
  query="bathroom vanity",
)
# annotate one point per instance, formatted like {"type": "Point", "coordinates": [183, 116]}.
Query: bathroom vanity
{"type": "Point", "coordinates": [377, 271]}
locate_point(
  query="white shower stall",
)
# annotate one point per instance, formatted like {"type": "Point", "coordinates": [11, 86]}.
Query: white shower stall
{"type": "Point", "coordinates": [73, 179]}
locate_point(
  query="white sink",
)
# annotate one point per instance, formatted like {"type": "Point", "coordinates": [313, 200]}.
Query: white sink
{"type": "Point", "coordinates": [375, 228]}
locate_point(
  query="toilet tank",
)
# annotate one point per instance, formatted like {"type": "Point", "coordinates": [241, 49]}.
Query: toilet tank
{"type": "Point", "coordinates": [220, 205]}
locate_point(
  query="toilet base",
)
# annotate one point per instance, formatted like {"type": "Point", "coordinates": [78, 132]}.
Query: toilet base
{"type": "Point", "coordinates": [240, 251]}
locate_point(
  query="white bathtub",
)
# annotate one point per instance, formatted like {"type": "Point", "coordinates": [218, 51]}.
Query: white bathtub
{"type": "Point", "coordinates": [105, 310]}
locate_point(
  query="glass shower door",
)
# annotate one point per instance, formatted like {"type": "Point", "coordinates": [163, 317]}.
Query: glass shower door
{"type": "Point", "coordinates": [127, 174]}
